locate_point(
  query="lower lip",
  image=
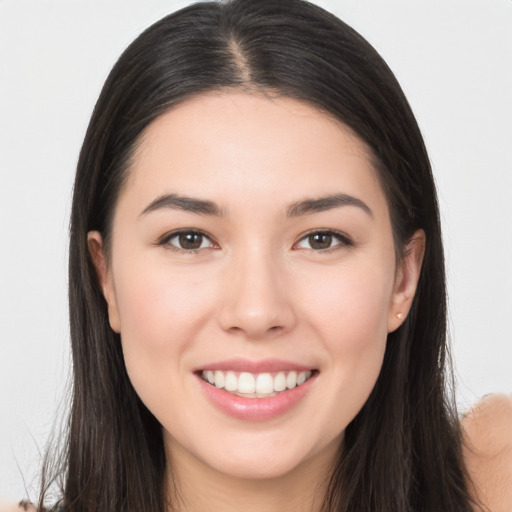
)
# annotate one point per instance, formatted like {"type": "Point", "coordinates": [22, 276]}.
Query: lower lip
{"type": "Point", "coordinates": [256, 409]}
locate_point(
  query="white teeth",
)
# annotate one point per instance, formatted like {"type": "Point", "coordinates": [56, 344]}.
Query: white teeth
{"type": "Point", "coordinates": [291, 380]}
{"type": "Point", "coordinates": [219, 379]}
{"type": "Point", "coordinates": [246, 383]}
{"type": "Point", "coordinates": [231, 383]}
{"type": "Point", "coordinates": [264, 383]}
{"type": "Point", "coordinates": [260, 385]}
{"type": "Point", "coordinates": [280, 382]}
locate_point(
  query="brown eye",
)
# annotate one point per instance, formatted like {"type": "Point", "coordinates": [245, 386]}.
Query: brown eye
{"type": "Point", "coordinates": [320, 241]}
{"type": "Point", "coordinates": [190, 240]}
{"type": "Point", "coordinates": [323, 241]}
{"type": "Point", "coordinates": [187, 241]}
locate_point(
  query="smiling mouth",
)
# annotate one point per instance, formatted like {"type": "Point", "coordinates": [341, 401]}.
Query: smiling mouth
{"type": "Point", "coordinates": [256, 385]}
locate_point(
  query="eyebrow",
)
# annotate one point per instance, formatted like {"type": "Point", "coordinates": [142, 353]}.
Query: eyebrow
{"type": "Point", "coordinates": [304, 207]}
{"type": "Point", "coordinates": [188, 204]}
{"type": "Point", "coordinates": [321, 204]}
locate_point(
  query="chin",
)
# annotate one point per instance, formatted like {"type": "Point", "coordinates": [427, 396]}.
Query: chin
{"type": "Point", "coordinates": [257, 467]}
{"type": "Point", "coordinates": [266, 455]}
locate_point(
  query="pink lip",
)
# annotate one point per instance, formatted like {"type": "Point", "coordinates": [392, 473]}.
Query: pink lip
{"type": "Point", "coordinates": [262, 366]}
{"type": "Point", "coordinates": [255, 409]}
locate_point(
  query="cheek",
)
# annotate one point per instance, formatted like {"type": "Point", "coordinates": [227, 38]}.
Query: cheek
{"type": "Point", "coordinates": [350, 317]}
{"type": "Point", "coordinates": [350, 305]}
{"type": "Point", "coordinates": [161, 313]}
{"type": "Point", "coordinates": [157, 302]}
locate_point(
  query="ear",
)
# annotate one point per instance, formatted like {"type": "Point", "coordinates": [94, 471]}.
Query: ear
{"type": "Point", "coordinates": [104, 276]}
{"type": "Point", "coordinates": [406, 280]}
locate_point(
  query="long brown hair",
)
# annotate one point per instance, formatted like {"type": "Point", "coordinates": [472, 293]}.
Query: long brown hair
{"type": "Point", "coordinates": [403, 450]}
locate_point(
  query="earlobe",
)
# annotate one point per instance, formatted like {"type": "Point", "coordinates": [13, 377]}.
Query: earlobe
{"type": "Point", "coordinates": [103, 273]}
{"type": "Point", "coordinates": [406, 280]}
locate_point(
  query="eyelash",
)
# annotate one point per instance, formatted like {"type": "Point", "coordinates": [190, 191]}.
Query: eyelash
{"type": "Point", "coordinates": [343, 240]}
{"type": "Point", "coordinates": [166, 239]}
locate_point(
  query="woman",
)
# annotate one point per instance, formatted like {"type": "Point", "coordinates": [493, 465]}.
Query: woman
{"type": "Point", "coordinates": [257, 292]}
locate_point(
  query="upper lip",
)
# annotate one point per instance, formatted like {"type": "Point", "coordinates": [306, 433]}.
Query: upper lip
{"type": "Point", "coordinates": [261, 366]}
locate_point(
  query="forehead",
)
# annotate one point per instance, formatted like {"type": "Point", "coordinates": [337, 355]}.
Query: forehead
{"type": "Point", "coordinates": [233, 144]}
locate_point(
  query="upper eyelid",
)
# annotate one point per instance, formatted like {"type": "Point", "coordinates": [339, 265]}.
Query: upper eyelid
{"type": "Point", "coordinates": [328, 231]}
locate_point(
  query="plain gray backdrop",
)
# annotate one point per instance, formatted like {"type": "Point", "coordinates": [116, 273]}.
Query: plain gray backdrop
{"type": "Point", "coordinates": [454, 61]}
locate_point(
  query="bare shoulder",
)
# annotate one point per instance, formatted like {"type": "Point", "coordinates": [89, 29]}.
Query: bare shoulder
{"type": "Point", "coordinates": [15, 507]}
{"type": "Point", "coordinates": [487, 431]}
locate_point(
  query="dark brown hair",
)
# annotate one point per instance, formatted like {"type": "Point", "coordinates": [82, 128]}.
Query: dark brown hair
{"type": "Point", "coordinates": [403, 450]}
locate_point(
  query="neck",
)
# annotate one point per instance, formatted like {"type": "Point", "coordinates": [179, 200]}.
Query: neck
{"type": "Point", "coordinates": [195, 487]}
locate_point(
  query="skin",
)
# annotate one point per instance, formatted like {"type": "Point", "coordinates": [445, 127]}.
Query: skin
{"type": "Point", "coordinates": [260, 292]}
{"type": "Point", "coordinates": [257, 288]}
{"type": "Point", "coordinates": [487, 430]}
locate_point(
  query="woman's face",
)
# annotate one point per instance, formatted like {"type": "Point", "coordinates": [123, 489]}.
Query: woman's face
{"type": "Point", "coordinates": [252, 249]}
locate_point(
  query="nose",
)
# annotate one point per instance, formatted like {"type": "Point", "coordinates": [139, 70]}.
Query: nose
{"type": "Point", "coordinates": [256, 300]}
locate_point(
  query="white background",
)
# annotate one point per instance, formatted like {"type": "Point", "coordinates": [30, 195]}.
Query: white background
{"type": "Point", "coordinates": [454, 61]}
